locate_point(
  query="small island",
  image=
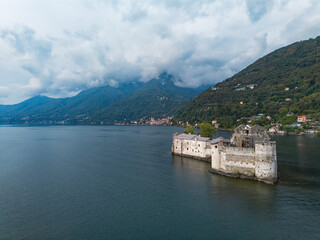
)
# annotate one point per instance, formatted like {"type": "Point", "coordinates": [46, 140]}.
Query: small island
{"type": "Point", "coordinates": [248, 154]}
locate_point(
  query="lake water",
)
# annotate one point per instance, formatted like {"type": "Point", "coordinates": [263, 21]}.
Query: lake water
{"type": "Point", "coordinates": [121, 182]}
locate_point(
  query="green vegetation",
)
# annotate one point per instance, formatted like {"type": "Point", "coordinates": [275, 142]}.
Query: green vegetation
{"type": "Point", "coordinates": [207, 130]}
{"type": "Point", "coordinates": [283, 84]}
{"type": "Point", "coordinates": [189, 129]}
{"type": "Point", "coordinates": [290, 129]}
{"type": "Point", "coordinates": [263, 121]}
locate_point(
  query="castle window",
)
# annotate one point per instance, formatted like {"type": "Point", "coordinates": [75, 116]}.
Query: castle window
{"type": "Point", "coordinates": [198, 145]}
{"type": "Point", "coordinates": [216, 146]}
{"type": "Point", "coordinates": [187, 148]}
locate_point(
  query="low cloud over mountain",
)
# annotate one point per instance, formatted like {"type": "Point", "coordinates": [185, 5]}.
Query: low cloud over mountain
{"type": "Point", "coordinates": [59, 48]}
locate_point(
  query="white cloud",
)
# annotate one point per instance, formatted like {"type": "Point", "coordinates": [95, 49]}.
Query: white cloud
{"type": "Point", "coordinates": [58, 48]}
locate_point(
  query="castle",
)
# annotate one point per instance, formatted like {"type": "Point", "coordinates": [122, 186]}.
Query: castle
{"type": "Point", "coordinates": [248, 154]}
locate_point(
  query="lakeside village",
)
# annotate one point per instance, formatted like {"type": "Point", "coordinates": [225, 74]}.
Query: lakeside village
{"type": "Point", "coordinates": [248, 154]}
{"type": "Point", "coordinates": [299, 125]}
{"type": "Point", "coordinates": [166, 121]}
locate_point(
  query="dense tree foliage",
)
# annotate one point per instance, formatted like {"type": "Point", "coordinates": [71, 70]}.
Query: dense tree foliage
{"type": "Point", "coordinates": [207, 130]}
{"type": "Point", "coordinates": [189, 129]}
{"type": "Point", "coordinates": [284, 82]}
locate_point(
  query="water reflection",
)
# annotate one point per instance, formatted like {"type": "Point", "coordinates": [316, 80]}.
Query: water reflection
{"type": "Point", "coordinates": [191, 164]}
{"type": "Point", "coordinates": [229, 192]}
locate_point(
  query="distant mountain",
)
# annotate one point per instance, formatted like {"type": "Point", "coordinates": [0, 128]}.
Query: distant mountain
{"type": "Point", "coordinates": [157, 98]}
{"type": "Point", "coordinates": [284, 82]}
{"type": "Point", "coordinates": [44, 109]}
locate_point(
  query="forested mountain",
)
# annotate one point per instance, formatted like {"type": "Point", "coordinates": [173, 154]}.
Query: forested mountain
{"type": "Point", "coordinates": [159, 97]}
{"type": "Point", "coordinates": [283, 83]}
{"type": "Point", "coordinates": [41, 108]}
{"type": "Point", "coordinates": [86, 102]}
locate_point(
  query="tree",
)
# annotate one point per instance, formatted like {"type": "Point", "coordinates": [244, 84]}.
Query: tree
{"type": "Point", "coordinates": [283, 110]}
{"type": "Point", "coordinates": [189, 129]}
{"type": "Point", "coordinates": [207, 130]}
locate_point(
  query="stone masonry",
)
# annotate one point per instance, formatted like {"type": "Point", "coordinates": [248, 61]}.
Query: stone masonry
{"type": "Point", "coordinates": [248, 154]}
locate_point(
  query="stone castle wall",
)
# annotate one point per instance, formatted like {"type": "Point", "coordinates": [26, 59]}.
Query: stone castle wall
{"type": "Point", "coordinates": [266, 161]}
{"type": "Point", "coordinates": [240, 161]}
{"type": "Point", "coordinates": [258, 162]}
{"type": "Point", "coordinates": [192, 148]}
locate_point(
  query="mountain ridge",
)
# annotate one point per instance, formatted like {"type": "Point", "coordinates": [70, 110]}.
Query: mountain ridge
{"type": "Point", "coordinates": [282, 82]}
{"type": "Point", "coordinates": [159, 97]}
{"type": "Point", "coordinates": [92, 106]}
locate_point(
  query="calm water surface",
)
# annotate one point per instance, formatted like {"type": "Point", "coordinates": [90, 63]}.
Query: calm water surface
{"type": "Point", "coordinates": [120, 182]}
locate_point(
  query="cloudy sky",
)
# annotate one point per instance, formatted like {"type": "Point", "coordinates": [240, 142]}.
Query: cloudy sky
{"type": "Point", "coordinates": [60, 47]}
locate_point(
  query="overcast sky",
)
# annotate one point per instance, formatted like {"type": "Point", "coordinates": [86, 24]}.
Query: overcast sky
{"type": "Point", "coordinates": [60, 47]}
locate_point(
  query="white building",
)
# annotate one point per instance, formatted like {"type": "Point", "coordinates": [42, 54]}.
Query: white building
{"type": "Point", "coordinates": [192, 146]}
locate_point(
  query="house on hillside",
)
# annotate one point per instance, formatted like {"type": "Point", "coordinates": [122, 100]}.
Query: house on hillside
{"type": "Point", "coordinates": [302, 118]}
{"type": "Point", "coordinates": [273, 130]}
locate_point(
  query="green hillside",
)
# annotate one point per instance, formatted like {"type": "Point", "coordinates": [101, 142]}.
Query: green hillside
{"type": "Point", "coordinates": [283, 82]}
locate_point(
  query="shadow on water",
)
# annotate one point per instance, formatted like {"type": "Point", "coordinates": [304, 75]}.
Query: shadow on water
{"type": "Point", "coordinates": [281, 208]}
{"type": "Point", "coordinates": [250, 193]}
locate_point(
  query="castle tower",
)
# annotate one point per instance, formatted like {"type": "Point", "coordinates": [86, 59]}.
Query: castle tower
{"type": "Point", "coordinates": [266, 161]}
{"type": "Point", "coordinates": [215, 157]}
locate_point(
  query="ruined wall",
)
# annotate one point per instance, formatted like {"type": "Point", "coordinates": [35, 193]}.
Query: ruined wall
{"type": "Point", "coordinates": [215, 157]}
{"type": "Point", "coordinates": [193, 148]}
{"type": "Point", "coordinates": [240, 160]}
{"type": "Point", "coordinates": [208, 150]}
{"type": "Point", "coordinates": [266, 161]}
{"type": "Point", "coordinates": [259, 162]}
{"type": "Point", "coordinates": [177, 146]}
